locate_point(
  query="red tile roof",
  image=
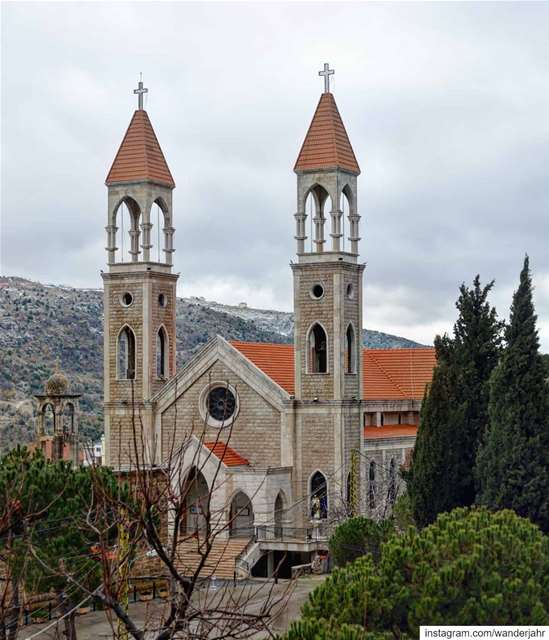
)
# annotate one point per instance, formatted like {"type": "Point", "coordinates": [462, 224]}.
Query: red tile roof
{"type": "Point", "coordinates": [388, 374]}
{"type": "Point", "coordinates": [140, 156]}
{"type": "Point", "coordinates": [228, 456]}
{"type": "Point", "coordinates": [276, 360]}
{"type": "Point", "coordinates": [394, 374]}
{"type": "Point", "coordinates": [390, 431]}
{"type": "Point", "coordinates": [326, 145]}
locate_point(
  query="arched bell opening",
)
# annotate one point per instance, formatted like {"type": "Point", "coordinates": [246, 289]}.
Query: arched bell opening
{"type": "Point", "coordinates": [161, 232]}
{"type": "Point", "coordinates": [316, 201]}
{"type": "Point", "coordinates": [341, 224]}
{"type": "Point", "coordinates": [48, 420]}
{"type": "Point", "coordinates": [68, 419]}
{"type": "Point", "coordinates": [241, 523]}
{"type": "Point", "coordinates": [125, 231]}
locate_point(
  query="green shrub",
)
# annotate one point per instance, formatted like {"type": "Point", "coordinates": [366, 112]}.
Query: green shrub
{"type": "Point", "coordinates": [403, 514]}
{"type": "Point", "coordinates": [471, 567]}
{"type": "Point", "coordinates": [322, 630]}
{"type": "Point", "coordinates": [358, 536]}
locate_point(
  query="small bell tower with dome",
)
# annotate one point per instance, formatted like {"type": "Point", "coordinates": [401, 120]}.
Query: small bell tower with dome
{"type": "Point", "coordinates": [57, 420]}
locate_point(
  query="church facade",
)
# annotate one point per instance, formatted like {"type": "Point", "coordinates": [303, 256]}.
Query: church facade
{"type": "Point", "coordinates": [294, 437]}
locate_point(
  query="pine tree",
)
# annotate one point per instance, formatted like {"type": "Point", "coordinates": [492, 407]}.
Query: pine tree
{"type": "Point", "coordinates": [455, 409]}
{"type": "Point", "coordinates": [513, 462]}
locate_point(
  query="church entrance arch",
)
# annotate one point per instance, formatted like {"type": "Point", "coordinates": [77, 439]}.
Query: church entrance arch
{"type": "Point", "coordinates": [242, 516]}
{"type": "Point", "coordinates": [197, 501]}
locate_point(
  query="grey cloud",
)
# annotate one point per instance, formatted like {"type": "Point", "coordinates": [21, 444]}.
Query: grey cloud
{"type": "Point", "coordinates": [446, 106]}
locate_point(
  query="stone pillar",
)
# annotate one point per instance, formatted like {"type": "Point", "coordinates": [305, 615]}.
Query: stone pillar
{"type": "Point", "coordinates": [353, 235]}
{"type": "Point", "coordinates": [146, 227]}
{"type": "Point", "coordinates": [134, 239]}
{"type": "Point", "coordinates": [319, 232]}
{"type": "Point", "coordinates": [300, 236]}
{"type": "Point", "coordinates": [336, 229]}
{"type": "Point", "coordinates": [168, 244]}
{"type": "Point", "coordinates": [111, 247]}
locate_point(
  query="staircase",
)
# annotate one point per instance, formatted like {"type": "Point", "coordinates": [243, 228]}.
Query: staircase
{"type": "Point", "coordinates": [221, 561]}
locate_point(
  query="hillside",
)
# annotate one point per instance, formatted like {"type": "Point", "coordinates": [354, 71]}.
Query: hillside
{"type": "Point", "coordinates": [39, 323]}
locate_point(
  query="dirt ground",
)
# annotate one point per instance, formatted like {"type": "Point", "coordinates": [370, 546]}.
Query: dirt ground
{"type": "Point", "coordinates": [96, 626]}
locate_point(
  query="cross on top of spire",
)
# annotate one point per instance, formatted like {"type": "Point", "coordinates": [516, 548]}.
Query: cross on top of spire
{"type": "Point", "coordinates": [326, 73]}
{"type": "Point", "coordinates": [140, 91]}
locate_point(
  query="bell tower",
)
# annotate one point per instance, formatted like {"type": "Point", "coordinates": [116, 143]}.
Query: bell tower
{"type": "Point", "coordinates": [139, 289]}
{"type": "Point", "coordinates": [327, 275]}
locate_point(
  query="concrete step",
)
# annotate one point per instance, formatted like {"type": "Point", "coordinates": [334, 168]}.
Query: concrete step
{"type": "Point", "coordinates": [220, 561]}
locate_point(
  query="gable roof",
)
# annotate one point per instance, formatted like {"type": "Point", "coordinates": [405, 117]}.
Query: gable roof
{"type": "Point", "coordinates": [388, 374]}
{"type": "Point", "coordinates": [140, 157]}
{"type": "Point", "coordinates": [226, 454]}
{"type": "Point", "coordinates": [327, 145]}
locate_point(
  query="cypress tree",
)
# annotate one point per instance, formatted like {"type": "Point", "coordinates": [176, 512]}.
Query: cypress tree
{"type": "Point", "coordinates": [455, 409]}
{"type": "Point", "coordinates": [513, 461]}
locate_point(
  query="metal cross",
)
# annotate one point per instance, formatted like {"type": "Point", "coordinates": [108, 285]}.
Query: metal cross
{"type": "Point", "coordinates": [140, 91]}
{"type": "Point", "coordinates": [326, 73]}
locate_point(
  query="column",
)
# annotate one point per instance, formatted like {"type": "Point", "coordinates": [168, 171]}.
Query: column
{"type": "Point", "coordinates": [111, 230]}
{"type": "Point", "coordinates": [300, 236]}
{"type": "Point", "coordinates": [336, 229]}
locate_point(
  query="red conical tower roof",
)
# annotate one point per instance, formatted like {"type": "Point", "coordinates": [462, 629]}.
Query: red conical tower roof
{"type": "Point", "coordinates": [140, 157]}
{"type": "Point", "coordinates": [327, 145]}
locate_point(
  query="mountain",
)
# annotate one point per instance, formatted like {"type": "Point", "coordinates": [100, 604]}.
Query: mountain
{"type": "Point", "coordinates": [42, 322]}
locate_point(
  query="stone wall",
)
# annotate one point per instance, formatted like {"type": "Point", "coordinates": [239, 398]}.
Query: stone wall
{"type": "Point", "coordinates": [255, 433]}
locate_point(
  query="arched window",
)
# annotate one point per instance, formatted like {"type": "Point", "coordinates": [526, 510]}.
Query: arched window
{"type": "Point", "coordinates": [318, 350]}
{"type": "Point", "coordinates": [161, 353]}
{"type": "Point", "coordinates": [372, 485]}
{"type": "Point", "coordinates": [391, 493]}
{"type": "Point", "coordinates": [318, 496]}
{"type": "Point", "coordinates": [350, 350]}
{"type": "Point", "coordinates": [126, 354]}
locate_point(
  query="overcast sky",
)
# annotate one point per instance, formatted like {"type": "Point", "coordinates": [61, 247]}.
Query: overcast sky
{"type": "Point", "coordinates": [446, 105]}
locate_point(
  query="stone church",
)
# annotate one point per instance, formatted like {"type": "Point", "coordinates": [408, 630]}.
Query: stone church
{"type": "Point", "coordinates": [299, 435]}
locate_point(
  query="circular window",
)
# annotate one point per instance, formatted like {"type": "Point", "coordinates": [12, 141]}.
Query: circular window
{"type": "Point", "coordinates": [162, 300]}
{"type": "Point", "coordinates": [317, 291]}
{"type": "Point", "coordinates": [126, 299]}
{"type": "Point", "coordinates": [219, 405]}
{"type": "Point", "coordinates": [350, 291]}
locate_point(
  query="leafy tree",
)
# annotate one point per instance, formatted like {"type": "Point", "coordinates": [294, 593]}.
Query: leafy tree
{"type": "Point", "coordinates": [455, 409]}
{"type": "Point", "coordinates": [358, 536]}
{"type": "Point", "coordinates": [46, 544]}
{"type": "Point", "coordinates": [471, 567]}
{"type": "Point", "coordinates": [513, 462]}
